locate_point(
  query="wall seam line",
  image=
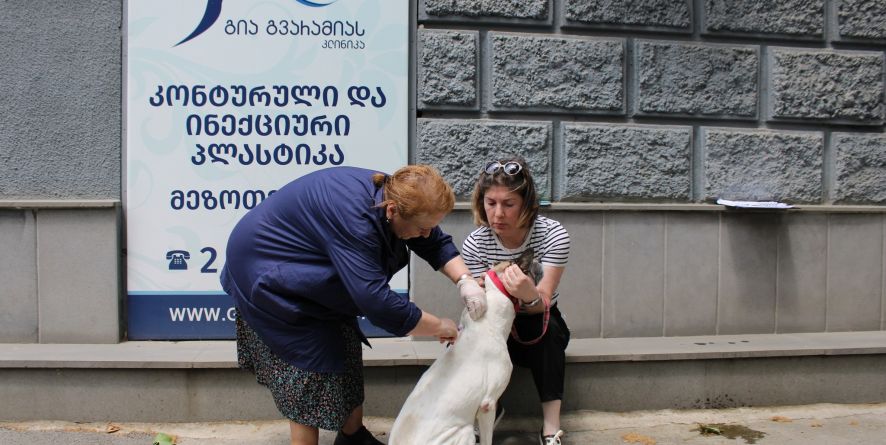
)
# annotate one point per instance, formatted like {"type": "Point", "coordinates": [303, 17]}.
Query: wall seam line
{"type": "Point", "coordinates": [602, 273]}
{"type": "Point", "coordinates": [827, 273]}
{"type": "Point", "coordinates": [664, 291]}
{"type": "Point", "coordinates": [719, 272]}
{"type": "Point", "coordinates": [778, 238]}
{"type": "Point", "coordinates": [37, 273]}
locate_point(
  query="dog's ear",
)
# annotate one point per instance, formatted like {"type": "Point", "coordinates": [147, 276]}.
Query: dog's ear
{"type": "Point", "coordinates": [524, 261]}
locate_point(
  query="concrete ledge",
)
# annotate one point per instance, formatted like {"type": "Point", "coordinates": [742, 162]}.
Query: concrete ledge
{"type": "Point", "coordinates": [126, 355]}
{"type": "Point", "coordinates": [199, 381]}
{"type": "Point", "coordinates": [407, 352]}
{"type": "Point", "coordinates": [726, 346]}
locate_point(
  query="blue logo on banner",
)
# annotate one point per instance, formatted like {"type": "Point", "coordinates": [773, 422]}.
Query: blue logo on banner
{"type": "Point", "coordinates": [316, 4]}
{"type": "Point", "coordinates": [213, 10]}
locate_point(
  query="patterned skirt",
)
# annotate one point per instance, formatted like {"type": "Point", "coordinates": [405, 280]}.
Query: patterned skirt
{"type": "Point", "coordinates": [320, 399]}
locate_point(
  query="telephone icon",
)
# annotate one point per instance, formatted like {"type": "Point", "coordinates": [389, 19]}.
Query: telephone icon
{"type": "Point", "coordinates": [177, 259]}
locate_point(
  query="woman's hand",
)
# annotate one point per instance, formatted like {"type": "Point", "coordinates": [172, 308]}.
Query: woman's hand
{"type": "Point", "coordinates": [519, 284]}
{"type": "Point", "coordinates": [447, 332]}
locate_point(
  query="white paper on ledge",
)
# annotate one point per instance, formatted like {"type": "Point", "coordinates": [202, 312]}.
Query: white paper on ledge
{"type": "Point", "coordinates": [754, 204]}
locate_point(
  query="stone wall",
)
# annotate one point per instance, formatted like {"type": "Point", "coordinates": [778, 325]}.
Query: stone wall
{"type": "Point", "coordinates": [647, 102]}
{"type": "Point", "coordinates": [665, 105]}
{"type": "Point", "coordinates": [659, 100]}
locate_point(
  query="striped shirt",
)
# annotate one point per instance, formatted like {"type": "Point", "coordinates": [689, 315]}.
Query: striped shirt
{"type": "Point", "coordinates": [482, 249]}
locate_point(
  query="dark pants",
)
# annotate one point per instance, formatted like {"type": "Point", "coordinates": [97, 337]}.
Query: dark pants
{"type": "Point", "coordinates": [545, 359]}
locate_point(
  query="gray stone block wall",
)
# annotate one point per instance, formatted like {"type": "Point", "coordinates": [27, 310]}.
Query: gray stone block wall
{"type": "Point", "coordinates": [861, 19]}
{"type": "Point", "coordinates": [860, 161]}
{"type": "Point", "coordinates": [553, 73]}
{"type": "Point", "coordinates": [606, 162]}
{"type": "Point", "coordinates": [667, 101]}
{"type": "Point", "coordinates": [792, 17]}
{"type": "Point", "coordinates": [447, 68]}
{"type": "Point", "coordinates": [795, 73]}
{"type": "Point", "coordinates": [492, 9]}
{"type": "Point", "coordinates": [691, 79]}
{"type": "Point", "coordinates": [460, 148]}
{"type": "Point", "coordinates": [648, 13]}
{"type": "Point", "coordinates": [838, 86]}
{"type": "Point", "coordinates": [762, 165]}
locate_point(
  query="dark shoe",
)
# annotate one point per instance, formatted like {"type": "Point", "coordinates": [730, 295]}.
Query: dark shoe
{"type": "Point", "coordinates": [361, 437]}
{"type": "Point", "coordinates": [499, 413]}
{"type": "Point", "coordinates": [553, 439]}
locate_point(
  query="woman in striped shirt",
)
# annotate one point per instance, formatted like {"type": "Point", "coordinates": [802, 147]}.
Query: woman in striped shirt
{"type": "Point", "coordinates": [505, 206]}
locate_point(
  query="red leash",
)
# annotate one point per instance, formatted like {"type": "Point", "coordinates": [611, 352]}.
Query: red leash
{"type": "Point", "coordinates": [547, 317]}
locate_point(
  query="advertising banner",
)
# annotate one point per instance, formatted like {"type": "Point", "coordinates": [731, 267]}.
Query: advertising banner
{"type": "Point", "coordinates": [228, 100]}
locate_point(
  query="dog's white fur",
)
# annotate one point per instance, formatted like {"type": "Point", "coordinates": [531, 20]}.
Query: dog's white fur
{"type": "Point", "coordinates": [463, 384]}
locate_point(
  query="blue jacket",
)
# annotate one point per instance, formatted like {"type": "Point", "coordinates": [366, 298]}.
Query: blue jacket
{"type": "Point", "coordinates": [316, 254]}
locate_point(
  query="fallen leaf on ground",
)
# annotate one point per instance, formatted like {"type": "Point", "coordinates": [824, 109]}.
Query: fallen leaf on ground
{"type": "Point", "coordinates": [638, 438]}
{"type": "Point", "coordinates": [782, 419]}
{"type": "Point", "coordinates": [730, 431]}
{"type": "Point", "coordinates": [112, 428]}
{"type": "Point", "coordinates": [816, 424]}
{"type": "Point", "coordinates": [164, 439]}
{"type": "Point", "coordinates": [709, 429]}
{"type": "Point", "coordinates": [853, 423]}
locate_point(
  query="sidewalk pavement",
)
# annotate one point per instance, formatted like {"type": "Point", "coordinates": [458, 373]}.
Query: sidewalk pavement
{"type": "Point", "coordinates": [822, 424]}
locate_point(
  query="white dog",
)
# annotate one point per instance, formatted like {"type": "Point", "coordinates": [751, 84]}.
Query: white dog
{"type": "Point", "coordinates": [465, 382]}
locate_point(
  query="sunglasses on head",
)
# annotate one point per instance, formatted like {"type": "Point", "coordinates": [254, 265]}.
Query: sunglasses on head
{"type": "Point", "coordinates": [510, 168]}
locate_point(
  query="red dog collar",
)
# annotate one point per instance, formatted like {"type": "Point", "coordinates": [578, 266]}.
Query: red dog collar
{"type": "Point", "coordinates": [547, 315]}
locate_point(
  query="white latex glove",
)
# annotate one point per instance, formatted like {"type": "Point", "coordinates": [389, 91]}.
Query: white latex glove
{"type": "Point", "coordinates": [473, 296]}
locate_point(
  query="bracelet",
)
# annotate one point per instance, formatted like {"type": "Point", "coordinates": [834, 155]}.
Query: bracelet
{"type": "Point", "coordinates": [532, 303]}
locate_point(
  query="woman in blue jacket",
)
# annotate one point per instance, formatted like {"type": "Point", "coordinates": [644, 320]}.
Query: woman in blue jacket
{"type": "Point", "coordinates": [319, 252]}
